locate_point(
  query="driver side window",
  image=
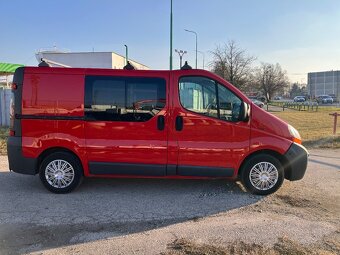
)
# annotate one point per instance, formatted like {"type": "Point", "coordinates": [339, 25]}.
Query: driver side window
{"type": "Point", "coordinates": [207, 97]}
{"type": "Point", "coordinates": [198, 94]}
{"type": "Point", "coordinates": [229, 104]}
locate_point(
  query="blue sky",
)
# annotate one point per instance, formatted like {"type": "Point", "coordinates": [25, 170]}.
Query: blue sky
{"type": "Point", "coordinates": [301, 35]}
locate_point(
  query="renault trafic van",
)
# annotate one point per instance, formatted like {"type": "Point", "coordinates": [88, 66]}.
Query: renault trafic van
{"type": "Point", "coordinates": [70, 123]}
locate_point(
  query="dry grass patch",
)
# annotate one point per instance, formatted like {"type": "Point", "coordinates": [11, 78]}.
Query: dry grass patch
{"type": "Point", "coordinates": [330, 142]}
{"type": "Point", "coordinates": [3, 139]}
{"type": "Point", "coordinates": [284, 246]}
{"type": "Point", "coordinates": [316, 128]}
{"type": "Point", "coordinates": [185, 247]}
{"type": "Point", "coordinates": [296, 201]}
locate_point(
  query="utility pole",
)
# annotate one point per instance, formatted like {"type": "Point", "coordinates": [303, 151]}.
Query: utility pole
{"type": "Point", "coordinates": [190, 31]}
{"type": "Point", "coordinates": [180, 53]}
{"type": "Point", "coordinates": [203, 56]}
{"type": "Point", "coordinates": [126, 54]}
{"type": "Point", "coordinates": [170, 34]}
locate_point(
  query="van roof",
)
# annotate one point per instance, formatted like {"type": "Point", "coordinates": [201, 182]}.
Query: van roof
{"type": "Point", "coordinates": [101, 71]}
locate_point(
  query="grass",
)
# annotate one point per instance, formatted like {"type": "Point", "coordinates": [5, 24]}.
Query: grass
{"type": "Point", "coordinates": [315, 128]}
{"type": "Point", "coordinates": [3, 138]}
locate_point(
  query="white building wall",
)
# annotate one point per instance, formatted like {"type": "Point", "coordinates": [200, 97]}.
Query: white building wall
{"type": "Point", "coordinates": [324, 83]}
{"type": "Point", "coordinates": [89, 59]}
{"type": "Point", "coordinates": [81, 59]}
{"type": "Point", "coordinates": [118, 62]}
{"type": "Point", "coordinates": [138, 65]}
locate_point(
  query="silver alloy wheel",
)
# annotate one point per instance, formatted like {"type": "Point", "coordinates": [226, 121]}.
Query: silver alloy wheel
{"type": "Point", "coordinates": [264, 175]}
{"type": "Point", "coordinates": [59, 173]}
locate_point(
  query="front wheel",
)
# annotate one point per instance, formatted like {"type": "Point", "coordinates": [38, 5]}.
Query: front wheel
{"type": "Point", "coordinates": [61, 172]}
{"type": "Point", "coordinates": [262, 174]}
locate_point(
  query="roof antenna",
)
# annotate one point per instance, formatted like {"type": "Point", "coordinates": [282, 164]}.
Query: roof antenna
{"type": "Point", "coordinates": [186, 66]}
{"type": "Point", "coordinates": [129, 66]}
{"type": "Point", "coordinates": [43, 63]}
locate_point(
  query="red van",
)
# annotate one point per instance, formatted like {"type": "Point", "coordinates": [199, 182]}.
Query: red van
{"type": "Point", "coordinates": [70, 123]}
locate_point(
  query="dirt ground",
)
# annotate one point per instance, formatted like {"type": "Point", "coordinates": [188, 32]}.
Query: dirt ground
{"type": "Point", "coordinates": [173, 217]}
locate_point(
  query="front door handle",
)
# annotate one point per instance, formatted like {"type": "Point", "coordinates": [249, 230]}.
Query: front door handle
{"type": "Point", "coordinates": [161, 122]}
{"type": "Point", "coordinates": [179, 123]}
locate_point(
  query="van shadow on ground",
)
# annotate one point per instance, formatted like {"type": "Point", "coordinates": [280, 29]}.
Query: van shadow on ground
{"type": "Point", "coordinates": [33, 219]}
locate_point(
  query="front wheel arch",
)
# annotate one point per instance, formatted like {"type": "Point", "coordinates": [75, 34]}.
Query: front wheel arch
{"type": "Point", "coordinates": [275, 154]}
{"type": "Point", "coordinates": [262, 186]}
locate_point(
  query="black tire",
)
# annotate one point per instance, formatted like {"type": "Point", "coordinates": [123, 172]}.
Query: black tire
{"type": "Point", "coordinates": [77, 172]}
{"type": "Point", "coordinates": [255, 161]}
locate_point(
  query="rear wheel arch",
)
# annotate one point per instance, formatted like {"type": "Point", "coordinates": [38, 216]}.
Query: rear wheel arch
{"type": "Point", "coordinates": [49, 151]}
{"type": "Point", "coordinates": [60, 170]}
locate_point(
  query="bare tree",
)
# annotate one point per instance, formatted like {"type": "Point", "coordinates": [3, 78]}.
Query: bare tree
{"type": "Point", "coordinates": [233, 64]}
{"type": "Point", "coordinates": [270, 79]}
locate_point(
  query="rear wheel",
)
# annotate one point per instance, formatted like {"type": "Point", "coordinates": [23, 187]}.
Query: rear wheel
{"type": "Point", "coordinates": [61, 172]}
{"type": "Point", "coordinates": [262, 174]}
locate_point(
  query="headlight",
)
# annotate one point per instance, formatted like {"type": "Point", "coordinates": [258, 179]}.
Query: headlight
{"type": "Point", "coordinates": [295, 134]}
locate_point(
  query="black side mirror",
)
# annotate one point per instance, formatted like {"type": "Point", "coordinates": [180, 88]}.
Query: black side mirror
{"type": "Point", "coordinates": [244, 112]}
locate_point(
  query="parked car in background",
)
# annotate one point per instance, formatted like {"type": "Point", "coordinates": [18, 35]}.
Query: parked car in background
{"type": "Point", "coordinates": [277, 98]}
{"type": "Point", "coordinates": [299, 99]}
{"type": "Point", "coordinates": [261, 98]}
{"type": "Point", "coordinates": [334, 97]}
{"type": "Point", "coordinates": [257, 102]}
{"type": "Point", "coordinates": [324, 99]}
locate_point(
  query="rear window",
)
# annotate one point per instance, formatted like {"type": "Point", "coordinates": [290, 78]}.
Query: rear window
{"type": "Point", "coordinates": [123, 98]}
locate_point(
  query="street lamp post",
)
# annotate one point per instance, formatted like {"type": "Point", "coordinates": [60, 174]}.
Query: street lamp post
{"type": "Point", "coordinates": [170, 34]}
{"type": "Point", "coordinates": [126, 54]}
{"type": "Point", "coordinates": [203, 56]}
{"type": "Point", "coordinates": [190, 31]}
{"type": "Point", "coordinates": [180, 53]}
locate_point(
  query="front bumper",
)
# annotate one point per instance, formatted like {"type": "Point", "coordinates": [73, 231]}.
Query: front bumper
{"type": "Point", "coordinates": [296, 158]}
{"type": "Point", "coordinates": [17, 162]}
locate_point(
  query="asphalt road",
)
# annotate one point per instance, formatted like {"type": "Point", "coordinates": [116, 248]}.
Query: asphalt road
{"type": "Point", "coordinates": [33, 219]}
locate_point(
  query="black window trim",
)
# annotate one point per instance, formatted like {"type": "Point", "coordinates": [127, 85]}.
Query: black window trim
{"type": "Point", "coordinates": [217, 100]}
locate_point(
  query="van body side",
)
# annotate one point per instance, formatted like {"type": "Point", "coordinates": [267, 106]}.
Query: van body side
{"type": "Point", "coordinates": [146, 124]}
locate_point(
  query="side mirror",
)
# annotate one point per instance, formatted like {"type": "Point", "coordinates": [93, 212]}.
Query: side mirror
{"type": "Point", "coordinates": [244, 112]}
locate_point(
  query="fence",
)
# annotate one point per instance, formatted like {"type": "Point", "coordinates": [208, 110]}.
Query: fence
{"type": "Point", "coordinates": [305, 106]}
{"type": "Point", "coordinates": [5, 98]}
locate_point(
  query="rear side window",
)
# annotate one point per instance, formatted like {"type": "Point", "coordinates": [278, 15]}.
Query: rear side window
{"type": "Point", "coordinates": [209, 98]}
{"type": "Point", "coordinates": [123, 98]}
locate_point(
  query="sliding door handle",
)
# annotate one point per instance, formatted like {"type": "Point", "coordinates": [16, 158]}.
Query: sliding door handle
{"type": "Point", "coordinates": [179, 123]}
{"type": "Point", "coordinates": [161, 122]}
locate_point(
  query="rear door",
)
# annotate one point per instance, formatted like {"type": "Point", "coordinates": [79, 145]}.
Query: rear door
{"type": "Point", "coordinates": [126, 124]}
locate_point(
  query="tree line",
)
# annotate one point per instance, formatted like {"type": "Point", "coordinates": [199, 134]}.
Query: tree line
{"type": "Point", "coordinates": [234, 65]}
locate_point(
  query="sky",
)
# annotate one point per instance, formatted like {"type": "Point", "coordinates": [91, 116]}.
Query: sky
{"type": "Point", "coordinates": [301, 35]}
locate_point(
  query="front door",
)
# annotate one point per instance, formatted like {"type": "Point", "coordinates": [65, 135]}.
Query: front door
{"type": "Point", "coordinates": [126, 128]}
{"type": "Point", "coordinates": [211, 141]}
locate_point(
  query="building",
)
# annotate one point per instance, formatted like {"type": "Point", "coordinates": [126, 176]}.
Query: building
{"type": "Point", "coordinates": [6, 73]}
{"type": "Point", "coordinates": [110, 60]}
{"type": "Point", "coordinates": [324, 83]}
